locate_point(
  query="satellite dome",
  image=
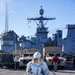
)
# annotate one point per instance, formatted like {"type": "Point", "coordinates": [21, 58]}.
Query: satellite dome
{"type": "Point", "coordinates": [41, 11]}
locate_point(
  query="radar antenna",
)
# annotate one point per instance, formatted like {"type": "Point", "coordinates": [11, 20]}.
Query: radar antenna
{"type": "Point", "coordinates": [41, 18]}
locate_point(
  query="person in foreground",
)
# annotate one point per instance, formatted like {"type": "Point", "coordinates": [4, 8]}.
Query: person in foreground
{"type": "Point", "coordinates": [37, 66]}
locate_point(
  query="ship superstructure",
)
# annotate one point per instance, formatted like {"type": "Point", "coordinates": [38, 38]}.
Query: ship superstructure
{"type": "Point", "coordinates": [41, 31]}
{"type": "Point", "coordinates": [68, 45]}
{"type": "Point", "coordinates": [10, 41]}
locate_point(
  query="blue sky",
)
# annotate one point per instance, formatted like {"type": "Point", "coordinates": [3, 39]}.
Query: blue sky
{"type": "Point", "coordinates": [20, 10]}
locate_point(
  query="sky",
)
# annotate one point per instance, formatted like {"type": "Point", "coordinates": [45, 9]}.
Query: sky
{"type": "Point", "coordinates": [20, 10]}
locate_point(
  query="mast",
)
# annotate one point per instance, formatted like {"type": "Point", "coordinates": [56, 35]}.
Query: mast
{"type": "Point", "coordinates": [6, 17]}
{"type": "Point", "coordinates": [41, 31]}
{"type": "Point", "coordinates": [41, 18]}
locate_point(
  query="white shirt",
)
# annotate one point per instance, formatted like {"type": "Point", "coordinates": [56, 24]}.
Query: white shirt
{"type": "Point", "coordinates": [17, 59]}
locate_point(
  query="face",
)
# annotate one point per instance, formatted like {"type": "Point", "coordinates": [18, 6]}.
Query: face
{"type": "Point", "coordinates": [37, 60]}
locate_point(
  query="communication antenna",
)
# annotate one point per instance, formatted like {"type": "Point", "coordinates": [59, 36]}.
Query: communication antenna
{"type": "Point", "coordinates": [41, 18]}
{"type": "Point", "coordinates": [6, 17]}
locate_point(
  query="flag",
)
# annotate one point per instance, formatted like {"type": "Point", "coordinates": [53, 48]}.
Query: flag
{"type": "Point", "coordinates": [29, 21]}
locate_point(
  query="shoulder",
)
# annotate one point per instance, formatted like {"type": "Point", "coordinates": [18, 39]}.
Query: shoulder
{"type": "Point", "coordinates": [29, 63]}
{"type": "Point", "coordinates": [43, 62]}
{"type": "Point", "coordinates": [15, 57]}
{"type": "Point", "coordinates": [44, 65]}
{"type": "Point", "coordinates": [53, 57]}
